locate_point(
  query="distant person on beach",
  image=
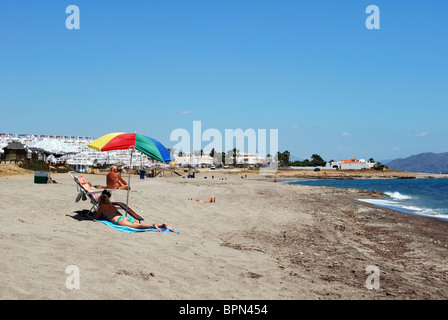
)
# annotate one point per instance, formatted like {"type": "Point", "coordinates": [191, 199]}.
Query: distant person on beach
{"type": "Point", "coordinates": [209, 200]}
{"type": "Point", "coordinates": [110, 212]}
{"type": "Point", "coordinates": [115, 181]}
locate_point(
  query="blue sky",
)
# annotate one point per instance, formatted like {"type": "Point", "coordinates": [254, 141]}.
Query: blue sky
{"type": "Point", "coordinates": [310, 69]}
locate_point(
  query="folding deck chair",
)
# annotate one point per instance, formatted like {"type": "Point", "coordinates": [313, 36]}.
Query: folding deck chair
{"type": "Point", "coordinates": [86, 191]}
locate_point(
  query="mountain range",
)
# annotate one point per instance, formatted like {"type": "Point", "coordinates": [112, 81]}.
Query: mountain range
{"type": "Point", "coordinates": [427, 162]}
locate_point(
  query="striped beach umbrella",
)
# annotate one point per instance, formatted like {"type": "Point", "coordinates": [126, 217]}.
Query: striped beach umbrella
{"type": "Point", "coordinates": [120, 141]}
{"type": "Point", "coordinates": [146, 145]}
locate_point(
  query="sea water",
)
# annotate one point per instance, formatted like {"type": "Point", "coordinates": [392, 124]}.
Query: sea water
{"type": "Point", "coordinates": [426, 197]}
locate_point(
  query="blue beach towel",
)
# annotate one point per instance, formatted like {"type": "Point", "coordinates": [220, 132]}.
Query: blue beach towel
{"type": "Point", "coordinates": [131, 230]}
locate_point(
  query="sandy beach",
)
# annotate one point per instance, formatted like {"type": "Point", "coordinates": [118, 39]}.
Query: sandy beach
{"type": "Point", "coordinates": [260, 240]}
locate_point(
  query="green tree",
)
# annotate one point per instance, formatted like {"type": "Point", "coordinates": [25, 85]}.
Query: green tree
{"type": "Point", "coordinates": [317, 160]}
{"type": "Point", "coordinates": [283, 158]}
{"type": "Point", "coordinates": [232, 155]}
{"type": "Point", "coordinates": [306, 163]}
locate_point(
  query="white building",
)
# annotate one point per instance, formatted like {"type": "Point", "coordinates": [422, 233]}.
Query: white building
{"type": "Point", "coordinates": [351, 164]}
{"type": "Point", "coordinates": [85, 156]}
{"type": "Point", "coordinates": [195, 159]}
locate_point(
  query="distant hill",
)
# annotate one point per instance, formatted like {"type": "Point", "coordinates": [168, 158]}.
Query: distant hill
{"type": "Point", "coordinates": [386, 161]}
{"type": "Point", "coordinates": [424, 162]}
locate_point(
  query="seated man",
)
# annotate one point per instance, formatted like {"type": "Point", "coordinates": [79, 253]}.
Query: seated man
{"type": "Point", "coordinates": [115, 181]}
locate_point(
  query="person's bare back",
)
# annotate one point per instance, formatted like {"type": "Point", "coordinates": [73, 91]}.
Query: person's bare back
{"type": "Point", "coordinates": [109, 211]}
{"type": "Point", "coordinates": [115, 181]}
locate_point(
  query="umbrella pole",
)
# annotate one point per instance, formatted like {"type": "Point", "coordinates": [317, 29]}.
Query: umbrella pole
{"type": "Point", "coordinates": [49, 172]}
{"type": "Point", "coordinates": [129, 182]}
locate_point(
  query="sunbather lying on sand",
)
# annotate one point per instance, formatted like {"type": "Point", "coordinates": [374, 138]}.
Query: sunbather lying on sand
{"type": "Point", "coordinates": [110, 212]}
{"type": "Point", "coordinates": [211, 199]}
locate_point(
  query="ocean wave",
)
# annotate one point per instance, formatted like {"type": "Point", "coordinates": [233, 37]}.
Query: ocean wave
{"type": "Point", "coordinates": [426, 197]}
{"type": "Point", "coordinates": [416, 209]}
{"type": "Point", "coordinates": [398, 195]}
{"type": "Point", "coordinates": [413, 209]}
{"type": "Point", "coordinates": [380, 202]}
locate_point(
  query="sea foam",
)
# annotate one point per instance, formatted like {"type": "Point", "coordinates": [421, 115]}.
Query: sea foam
{"type": "Point", "coordinates": [398, 196]}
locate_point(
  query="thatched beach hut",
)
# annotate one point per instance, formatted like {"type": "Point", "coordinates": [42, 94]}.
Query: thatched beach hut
{"type": "Point", "coordinates": [14, 151]}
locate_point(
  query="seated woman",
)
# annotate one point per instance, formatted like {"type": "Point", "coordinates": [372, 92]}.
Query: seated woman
{"type": "Point", "coordinates": [211, 199]}
{"type": "Point", "coordinates": [110, 212]}
{"type": "Point", "coordinates": [87, 185]}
